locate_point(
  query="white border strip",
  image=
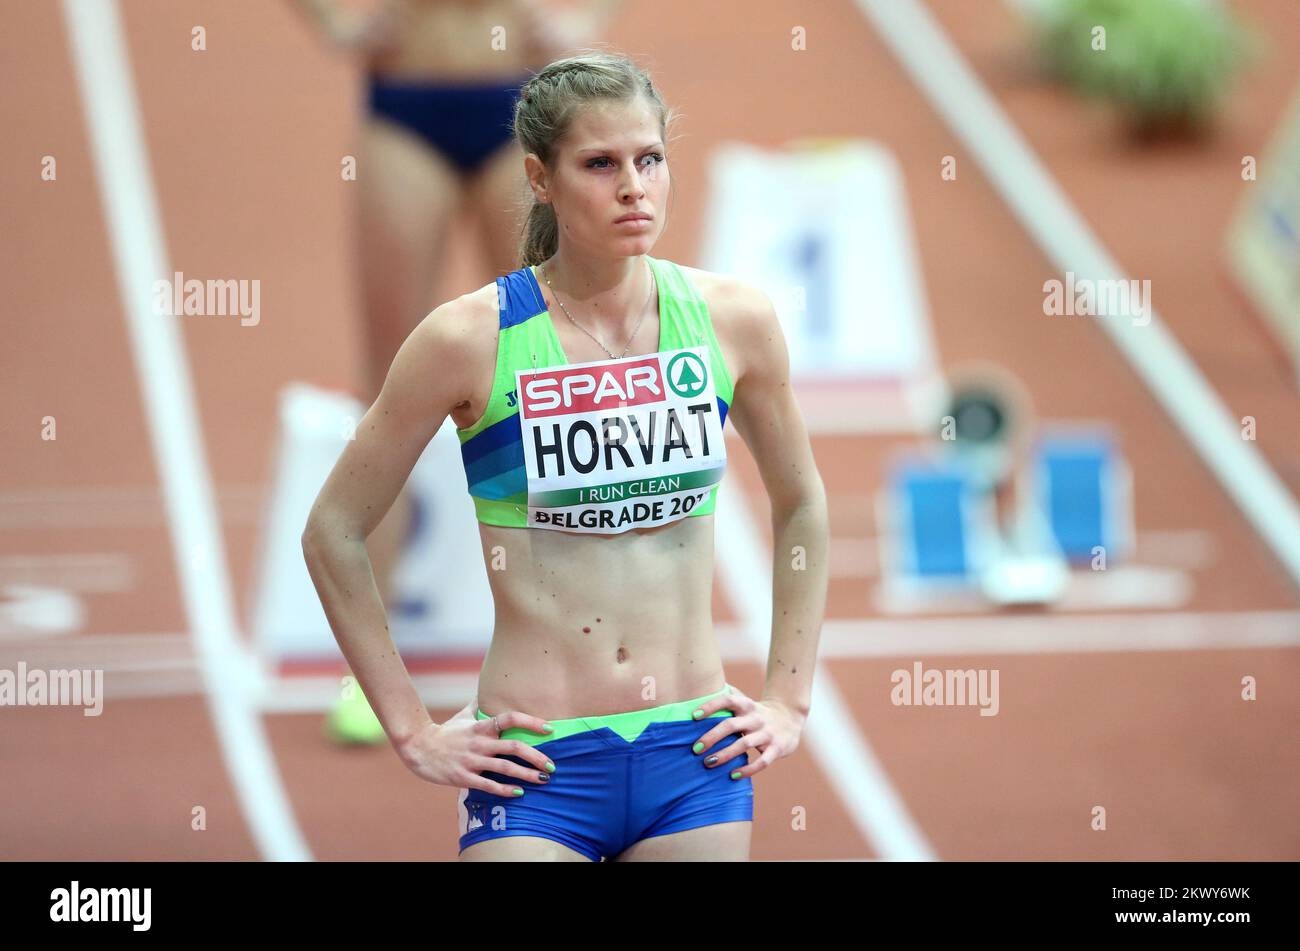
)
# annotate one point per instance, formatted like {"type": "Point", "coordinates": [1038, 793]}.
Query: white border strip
{"type": "Point", "coordinates": [149, 665]}
{"type": "Point", "coordinates": [957, 94]}
{"type": "Point", "coordinates": [1044, 633]}
{"type": "Point", "coordinates": [102, 64]}
{"type": "Point", "coordinates": [843, 753]}
{"type": "Point", "coordinates": [319, 694]}
{"type": "Point", "coordinates": [1054, 634]}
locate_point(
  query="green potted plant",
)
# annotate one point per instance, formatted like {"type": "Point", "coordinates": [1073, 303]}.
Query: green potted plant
{"type": "Point", "coordinates": [1166, 64]}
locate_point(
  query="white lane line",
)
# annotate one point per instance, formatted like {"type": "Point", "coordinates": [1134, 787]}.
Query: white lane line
{"type": "Point", "coordinates": [858, 556]}
{"type": "Point", "coordinates": [1125, 588]}
{"type": "Point", "coordinates": [106, 651]}
{"type": "Point", "coordinates": [831, 734]}
{"type": "Point", "coordinates": [958, 95]}
{"type": "Point", "coordinates": [1113, 633]}
{"type": "Point", "coordinates": [103, 71]}
{"type": "Point", "coordinates": [85, 572]}
{"type": "Point", "coordinates": [123, 655]}
{"type": "Point", "coordinates": [315, 694]}
{"type": "Point", "coordinates": [82, 506]}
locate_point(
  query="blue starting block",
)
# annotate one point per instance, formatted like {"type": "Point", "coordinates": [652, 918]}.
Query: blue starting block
{"type": "Point", "coordinates": [1084, 488]}
{"type": "Point", "coordinates": [937, 529]}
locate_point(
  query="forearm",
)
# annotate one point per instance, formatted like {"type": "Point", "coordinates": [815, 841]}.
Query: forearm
{"type": "Point", "coordinates": [344, 579]}
{"type": "Point", "coordinates": [800, 573]}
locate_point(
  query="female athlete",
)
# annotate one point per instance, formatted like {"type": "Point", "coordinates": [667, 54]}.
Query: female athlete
{"type": "Point", "coordinates": [589, 389]}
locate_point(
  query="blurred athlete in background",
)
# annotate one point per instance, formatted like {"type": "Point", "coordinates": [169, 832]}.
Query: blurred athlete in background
{"type": "Point", "coordinates": [442, 77]}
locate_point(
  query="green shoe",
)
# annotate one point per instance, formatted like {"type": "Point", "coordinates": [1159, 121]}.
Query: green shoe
{"type": "Point", "coordinates": [353, 722]}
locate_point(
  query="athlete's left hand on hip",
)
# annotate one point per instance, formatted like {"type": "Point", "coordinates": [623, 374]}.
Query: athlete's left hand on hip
{"type": "Point", "coordinates": [767, 726]}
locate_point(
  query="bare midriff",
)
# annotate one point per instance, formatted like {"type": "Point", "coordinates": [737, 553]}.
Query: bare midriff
{"type": "Point", "coordinates": [460, 41]}
{"type": "Point", "coordinates": [588, 625]}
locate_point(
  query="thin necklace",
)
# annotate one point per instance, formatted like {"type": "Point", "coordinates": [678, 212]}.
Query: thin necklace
{"type": "Point", "coordinates": [644, 310]}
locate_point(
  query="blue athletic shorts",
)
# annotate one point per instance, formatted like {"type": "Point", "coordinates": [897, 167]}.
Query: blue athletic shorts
{"type": "Point", "coordinates": [618, 779]}
{"type": "Point", "coordinates": [467, 122]}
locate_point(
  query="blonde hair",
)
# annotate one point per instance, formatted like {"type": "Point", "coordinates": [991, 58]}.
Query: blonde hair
{"type": "Point", "coordinates": [545, 110]}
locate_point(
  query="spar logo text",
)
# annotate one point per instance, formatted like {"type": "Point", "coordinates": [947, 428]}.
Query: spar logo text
{"type": "Point", "coordinates": [582, 390]}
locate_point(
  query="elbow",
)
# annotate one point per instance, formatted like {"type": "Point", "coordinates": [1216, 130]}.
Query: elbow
{"type": "Point", "coordinates": [325, 534]}
{"type": "Point", "coordinates": [815, 494]}
{"type": "Point", "coordinates": [313, 536]}
{"type": "Point", "coordinates": [811, 496]}
{"type": "Point", "coordinates": [308, 547]}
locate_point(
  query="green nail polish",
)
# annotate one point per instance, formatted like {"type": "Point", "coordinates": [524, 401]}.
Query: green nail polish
{"type": "Point", "coordinates": [519, 792]}
{"type": "Point", "coordinates": [697, 714]}
{"type": "Point", "coordinates": [546, 727]}
{"type": "Point", "coordinates": [735, 774]}
{"type": "Point", "coordinates": [550, 767]}
{"type": "Point", "coordinates": [698, 746]}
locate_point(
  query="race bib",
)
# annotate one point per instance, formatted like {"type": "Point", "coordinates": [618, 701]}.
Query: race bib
{"type": "Point", "coordinates": [620, 444]}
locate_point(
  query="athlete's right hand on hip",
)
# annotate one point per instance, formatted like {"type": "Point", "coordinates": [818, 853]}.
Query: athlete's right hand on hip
{"type": "Point", "coordinates": [459, 751]}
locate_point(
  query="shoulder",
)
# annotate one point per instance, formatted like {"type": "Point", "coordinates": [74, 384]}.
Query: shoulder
{"type": "Point", "coordinates": [464, 324]}
{"type": "Point", "coordinates": [730, 300]}
{"type": "Point", "coordinates": [453, 349]}
{"type": "Point", "coordinates": [743, 316]}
